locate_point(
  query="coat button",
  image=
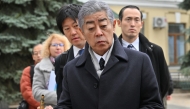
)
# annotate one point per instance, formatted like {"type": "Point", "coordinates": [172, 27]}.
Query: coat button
{"type": "Point", "coordinates": [95, 85]}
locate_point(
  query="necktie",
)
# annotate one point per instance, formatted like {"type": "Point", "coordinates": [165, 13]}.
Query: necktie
{"type": "Point", "coordinates": [81, 51]}
{"type": "Point", "coordinates": [101, 63]}
{"type": "Point", "coordinates": [130, 46]}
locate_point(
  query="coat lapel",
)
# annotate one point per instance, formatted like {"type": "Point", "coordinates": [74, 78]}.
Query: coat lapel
{"type": "Point", "coordinates": [70, 54]}
{"type": "Point", "coordinates": [142, 48]}
{"type": "Point", "coordinates": [85, 59]}
{"type": "Point", "coordinates": [117, 53]}
{"type": "Point", "coordinates": [89, 66]}
{"type": "Point", "coordinates": [112, 61]}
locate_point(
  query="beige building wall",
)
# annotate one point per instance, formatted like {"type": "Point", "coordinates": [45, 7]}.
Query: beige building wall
{"type": "Point", "coordinates": [159, 36]}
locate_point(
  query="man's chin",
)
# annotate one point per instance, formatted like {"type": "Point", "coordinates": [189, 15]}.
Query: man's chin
{"type": "Point", "coordinates": [78, 44]}
{"type": "Point", "coordinates": [132, 35]}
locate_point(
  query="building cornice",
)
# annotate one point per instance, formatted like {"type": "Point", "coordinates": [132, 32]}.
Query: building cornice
{"type": "Point", "coordinates": [144, 3]}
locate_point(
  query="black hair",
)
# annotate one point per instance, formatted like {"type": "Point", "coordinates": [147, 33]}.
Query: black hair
{"type": "Point", "coordinates": [67, 11]}
{"type": "Point", "coordinates": [129, 6]}
{"type": "Point", "coordinates": [34, 47]}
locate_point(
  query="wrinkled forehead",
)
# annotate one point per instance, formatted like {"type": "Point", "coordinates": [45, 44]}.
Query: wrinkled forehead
{"type": "Point", "coordinates": [96, 17]}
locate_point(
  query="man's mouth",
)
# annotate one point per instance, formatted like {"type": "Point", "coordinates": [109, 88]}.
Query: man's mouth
{"type": "Point", "coordinates": [75, 38]}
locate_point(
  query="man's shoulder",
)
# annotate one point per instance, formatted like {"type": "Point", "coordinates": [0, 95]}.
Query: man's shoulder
{"type": "Point", "coordinates": [72, 62]}
{"type": "Point", "coordinates": [145, 41]}
{"type": "Point", "coordinates": [155, 45]}
{"type": "Point", "coordinates": [156, 48]}
{"type": "Point", "coordinates": [136, 57]}
{"type": "Point", "coordinates": [68, 52]}
{"type": "Point", "coordinates": [26, 70]}
{"type": "Point", "coordinates": [61, 55]}
{"type": "Point", "coordinates": [133, 52]}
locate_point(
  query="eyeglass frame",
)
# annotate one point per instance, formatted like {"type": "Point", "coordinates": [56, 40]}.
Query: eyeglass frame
{"type": "Point", "coordinates": [36, 52]}
{"type": "Point", "coordinates": [56, 45]}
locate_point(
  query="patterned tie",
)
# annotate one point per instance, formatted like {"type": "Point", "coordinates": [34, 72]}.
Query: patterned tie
{"type": "Point", "coordinates": [81, 51]}
{"type": "Point", "coordinates": [101, 63]}
{"type": "Point", "coordinates": [130, 46]}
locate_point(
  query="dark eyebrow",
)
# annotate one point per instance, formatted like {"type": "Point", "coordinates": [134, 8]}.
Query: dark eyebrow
{"type": "Point", "coordinates": [100, 20]}
{"type": "Point", "coordinates": [89, 22]}
{"type": "Point", "coordinates": [72, 24]}
{"type": "Point", "coordinates": [134, 17]}
{"type": "Point", "coordinates": [103, 19]}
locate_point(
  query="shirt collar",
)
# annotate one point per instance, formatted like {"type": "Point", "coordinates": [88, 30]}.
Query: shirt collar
{"type": "Point", "coordinates": [135, 43]}
{"type": "Point", "coordinates": [76, 50]}
{"type": "Point", "coordinates": [99, 57]}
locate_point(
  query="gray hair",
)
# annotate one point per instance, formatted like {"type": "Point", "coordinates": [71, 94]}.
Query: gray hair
{"type": "Point", "coordinates": [91, 7]}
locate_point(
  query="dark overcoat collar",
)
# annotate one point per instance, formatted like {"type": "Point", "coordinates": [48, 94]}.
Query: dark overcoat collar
{"type": "Point", "coordinates": [70, 54]}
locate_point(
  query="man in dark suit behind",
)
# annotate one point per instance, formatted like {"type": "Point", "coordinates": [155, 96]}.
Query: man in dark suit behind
{"type": "Point", "coordinates": [67, 22]}
{"type": "Point", "coordinates": [130, 21]}
{"type": "Point", "coordinates": [106, 75]}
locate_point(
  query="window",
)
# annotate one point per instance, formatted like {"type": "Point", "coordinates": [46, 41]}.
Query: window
{"type": "Point", "coordinates": [176, 43]}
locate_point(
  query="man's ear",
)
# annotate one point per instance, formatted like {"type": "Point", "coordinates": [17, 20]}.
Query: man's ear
{"type": "Point", "coordinates": [142, 23]}
{"type": "Point", "coordinates": [119, 23]}
{"type": "Point", "coordinates": [114, 24]}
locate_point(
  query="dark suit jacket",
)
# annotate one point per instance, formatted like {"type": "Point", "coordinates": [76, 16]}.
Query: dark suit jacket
{"type": "Point", "coordinates": [59, 69]}
{"type": "Point", "coordinates": [156, 56]}
{"type": "Point", "coordinates": [127, 82]}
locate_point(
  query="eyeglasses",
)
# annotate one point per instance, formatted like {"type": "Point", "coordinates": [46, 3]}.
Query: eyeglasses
{"type": "Point", "coordinates": [56, 45]}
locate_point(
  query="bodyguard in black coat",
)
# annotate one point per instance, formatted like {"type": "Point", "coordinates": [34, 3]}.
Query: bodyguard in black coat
{"type": "Point", "coordinates": [125, 78]}
{"type": "Point", "coordinates": [130, 21]}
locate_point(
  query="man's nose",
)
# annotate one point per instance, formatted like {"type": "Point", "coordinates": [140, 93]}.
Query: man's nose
{"type": "Point", "coordinates": [73, 31]}
{"type": "Point", "coordinates": [132, 22]}
{"type": "Point", "coordinates": [98, 32]}
{"type": "Point", "coordinates": [39, 54]}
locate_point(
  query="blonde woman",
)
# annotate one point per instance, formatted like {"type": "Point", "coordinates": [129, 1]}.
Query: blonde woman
{"type": "Point", "coordinates": [53, 46]}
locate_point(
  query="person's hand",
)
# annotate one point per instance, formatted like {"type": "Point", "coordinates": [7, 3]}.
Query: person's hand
{"type": "Point", "coordinates": [168, 97]}
{"type": "Point", "coordinates": [47, 107]}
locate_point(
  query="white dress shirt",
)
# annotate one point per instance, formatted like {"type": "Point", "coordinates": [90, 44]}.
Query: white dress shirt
{"type": "Point", "coordinates": [76, 51]}
{"type": "Point", "coordinates": [135, 44]}
{"type": "Point", "coordinates": [96, 58]}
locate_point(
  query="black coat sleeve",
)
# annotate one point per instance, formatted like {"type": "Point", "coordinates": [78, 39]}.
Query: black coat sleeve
{"type": "Point", "coordinates": [64, 102]}
{"type": "Point", "coordinates": [59, 76]}
{"type": "Point", "coordinates": [164, 72]}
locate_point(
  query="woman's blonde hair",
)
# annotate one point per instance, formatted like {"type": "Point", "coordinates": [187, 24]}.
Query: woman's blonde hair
{"type": "Point", "coordinates": [47, 43]}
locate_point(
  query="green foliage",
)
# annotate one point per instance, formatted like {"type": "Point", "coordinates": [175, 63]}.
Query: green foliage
{"type": "Point", "coordinates": [185, 66]}
{"type": "Point", "coordinates": [23, 23]}
{"type": "Point", "coordinates": [187, 31]}
{"type": "Point", "coordinates": [185, 4]}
